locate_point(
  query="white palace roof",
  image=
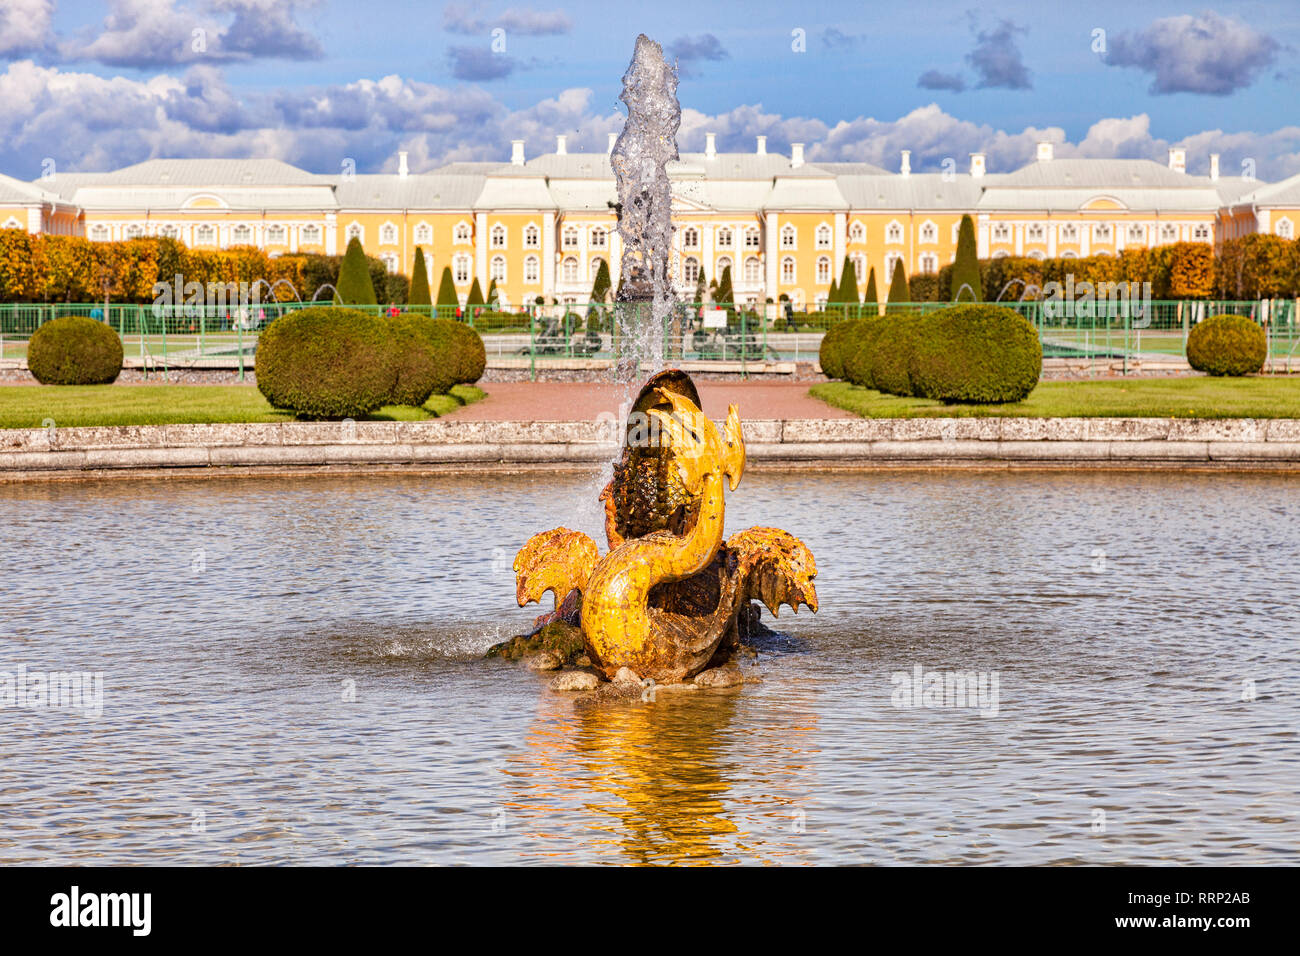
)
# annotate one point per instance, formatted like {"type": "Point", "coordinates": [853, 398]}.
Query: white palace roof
{"type": "Point", "coordinates": [748, 183]}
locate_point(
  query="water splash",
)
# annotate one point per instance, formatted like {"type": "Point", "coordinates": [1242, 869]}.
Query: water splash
{"type": "Point", "coordinates": [640, 159]}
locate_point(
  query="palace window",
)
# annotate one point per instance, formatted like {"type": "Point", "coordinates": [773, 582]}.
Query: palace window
{"type": "Point", "coordinates": [929, 263]}
{"type": "Point", "coordinates": [1069, 232]}
{"type": "Point", "coordinates": [823, 236]}
{"type": "Point", "coordinates": [275, 235]}
{"type": "Point", "coordinates": [570, 237]}
{"type": "Point", "coordinates": [894, 232]}
{"type": "Point", "coordinates": [1035, 232]}
{"type": "Point", "coordinates": [891, 262]}
{"type": "Point", "coordinates": [355, 231]}
{"type": "Point", "coordinates": [1201, 232]}
{"type": "Point", "coordinates": [532, 237]}
{"type": "Point", "coordinates": [388, 234]}
{"type": "Point", "coordinates": [311, 235]}
{"type": "Point", "coordinates": [461, 232]}
{"type": "Point", "coordinates": [724, 263]}
{"type": "Point", "coordinates": [174, 232]}
{"type": "Point", "coordinates": [497, 238]}
{"type": "Point", "coordinates": [751, 238]}
{"type": "Point", "coordinates": [1101, 232]}
{"type": "Point", "coordinates": [1285, 228]}
{"type": "Point", "coordinates": [787, 269]}
{"type": "Point", "coordinates": [859, 267]}
{"type": "Point", "coordinates": [724, 238]}
{"type": "Point", "coordinates": [569, 271]}
{"type": "Point", "coordinates": [788, 237]}
{"type": "Point", "coordinates": [690, 238]}
{"type": "Point", "coordinates": [241, 235]}
{"type": "Point", "coordinates": [823, 270]}
{"type": "Point", "coordinates": [857, 232]}
{"type": "Point", "coordinates": [1136, 232]}
{"type": "Point", "coordinates": [134, 231]}
{"type": "Point", "coordinates": [497, 269]}
{"type": "Point", "coordinates": [690, 270]}
{"type": "Point", "coordinates": [596, 263]}
{"type": "Point", "coordinates": [1001, 232]}
{"type": "Point", "coordinates": [99, 232]}
{"type": "Point", "coordinates": [460, 269]}
{"type": "Point", "coordinates": [1168, 232]}
{"type": "Point", "coordinates": [1037, 254]}
{"type": "Point", "coordinates": [929, 232]}
{"type": "Point", "coordinates": [424, 234]}
{"type": "Point", "coordinates": [753, 269]}
{"type": "Point", "coordinates": [532, 269]}
{"type": "Point", "coordinates": [206, 235]}
{"type": "Point", "coordinates": [390, 261]}
{"type": "Point", "coordinates": [599, 238]}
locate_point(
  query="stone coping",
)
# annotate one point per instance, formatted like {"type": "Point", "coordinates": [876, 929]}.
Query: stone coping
{"type": "Point", "coordinates": [452, 445]}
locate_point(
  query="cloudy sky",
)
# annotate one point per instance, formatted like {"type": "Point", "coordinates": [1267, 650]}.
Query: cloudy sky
{"type": "Point", "coordinates": [98, 84]}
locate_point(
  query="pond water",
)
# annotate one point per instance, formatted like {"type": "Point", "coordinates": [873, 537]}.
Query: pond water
{"type": "Point", "coordinates": [293, 673]}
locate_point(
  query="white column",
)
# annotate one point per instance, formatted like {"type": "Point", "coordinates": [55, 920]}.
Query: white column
{"type": "Point", "coordinates": [1051, 240]}
{"type": "Point", "coordinates": [982, 236]}
{"type": "Point", "coordinates": [548, 254]}
{"type": "Point", "coordinates": [773, 254]}
{"type": "Point", "coordinates": [480, 249]}
{"type": "Point", "coordinates": [1085, 239]}
{"type": "Point", "coordinates": [840, 242]}
{"type": "Point", "coordinates": [34, 219]}
{"type": "Point", "coordinates": [1020, 238]}
{"type": "Point", "coordinates": [331, 234]}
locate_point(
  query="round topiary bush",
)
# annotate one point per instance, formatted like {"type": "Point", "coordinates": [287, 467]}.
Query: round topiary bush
{"type": "Point", "coordinates": [1227, 345]}
{"type": "Point", "coordinates": [421, 370]}
{"type": "Point", "coordinates": [74, 350]}
{"type": "Point", "coordinates": [327, 362]}
{"type": "Point", "coordinates": [471, 355]}
{"type": "Point", "coordinates": [892, 348]}
{"type": "Point", "coordinates": [835, 346]}
{"type": "Point", "coordinates": [986, 354]}
{"type": "Point", "coordinates": [860, 352]}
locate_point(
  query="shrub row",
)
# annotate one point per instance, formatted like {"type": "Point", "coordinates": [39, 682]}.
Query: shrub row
{"type": "Point", "coordinates": [336, 362]}
{"type": "Point", "coordinates": [984, 354]}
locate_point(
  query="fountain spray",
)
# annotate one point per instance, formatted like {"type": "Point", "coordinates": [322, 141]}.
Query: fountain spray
{"type": "Point", "coordinates": [640, 159]}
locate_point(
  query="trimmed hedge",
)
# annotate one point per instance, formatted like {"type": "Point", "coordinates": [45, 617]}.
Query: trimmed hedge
{"type": "Point", "coordinates": [420, 371]}
{"type": "Point", "coordinates": [75, 350]}
{"type": "Point", "coordinates": [325, 362]}
{"type": "Point", "coordinates": [469, 356]}
{"type": "Point", "coordinates": [976, 353]}
{"type": "Point", "coordinates": [834, 345]}
{"type": "Point", "coordinates": [1227, 345]}
{"type": "Point", "coordinates": [984, 354]}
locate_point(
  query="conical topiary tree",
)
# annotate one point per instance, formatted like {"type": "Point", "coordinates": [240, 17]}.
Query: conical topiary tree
{"type": "Point", "coordinates": [872, 298]}
{"type": "Point", "coordinates": [849, 286]}
{"type": "Point", "coordinates": [898, 292]}
{"type": "Point", "coordinates": [493, 297]}
{"type": "Point", "coordinates": [448, 301]}
{"type": "Point", "coordinates": [475, 296]}
{"type": "Point", "coordinates": [419, 295]}
{"type": "Point", "coordinates": [833, 296]}
{"type": "Point", "coordinates": [600, 287]}
{"type": "Point", "coordinates": [701, 286]}
{"type": "Point", "coordinates": [966, 267]}
{"type": "Point", "coordinates": [354, 286]}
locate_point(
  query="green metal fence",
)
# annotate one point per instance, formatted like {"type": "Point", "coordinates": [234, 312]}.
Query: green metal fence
{"type": "Point", "coordinates": [1098, 333]}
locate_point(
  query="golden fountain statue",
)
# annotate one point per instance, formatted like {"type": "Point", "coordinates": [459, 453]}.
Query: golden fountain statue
{"type": "Point", "coordinates": [672, 597]}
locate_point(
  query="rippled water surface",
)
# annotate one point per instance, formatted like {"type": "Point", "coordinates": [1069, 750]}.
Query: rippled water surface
{"type": "Point", "coordinates": [1125, 617]}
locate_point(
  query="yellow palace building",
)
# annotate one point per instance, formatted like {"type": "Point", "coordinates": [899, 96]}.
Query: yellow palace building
{"type": "Point", "coordinates": [542, 226]}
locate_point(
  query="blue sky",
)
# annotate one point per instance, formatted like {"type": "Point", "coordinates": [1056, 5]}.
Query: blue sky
{"type": "Point", "coordinates": [101, 84]}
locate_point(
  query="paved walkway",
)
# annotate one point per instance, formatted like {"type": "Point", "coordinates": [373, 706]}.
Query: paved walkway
{"type": "Point", "coordinates": [583, 401]}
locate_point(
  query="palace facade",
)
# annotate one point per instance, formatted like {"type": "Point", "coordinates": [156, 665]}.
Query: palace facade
{"type": "Point", "coordinates": [542, 226]}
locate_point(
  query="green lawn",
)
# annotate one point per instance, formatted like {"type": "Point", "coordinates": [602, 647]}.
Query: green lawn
{"type": "Point", "coordinates": [27, 406]}
{"type": "Point", "coordinates": [1259, 397]}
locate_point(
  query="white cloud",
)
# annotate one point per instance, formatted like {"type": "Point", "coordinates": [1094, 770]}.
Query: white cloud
{"type": "Point", "coordinates": [25, 27]}
{"type": "Point", "coordinates": [88, 122]}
